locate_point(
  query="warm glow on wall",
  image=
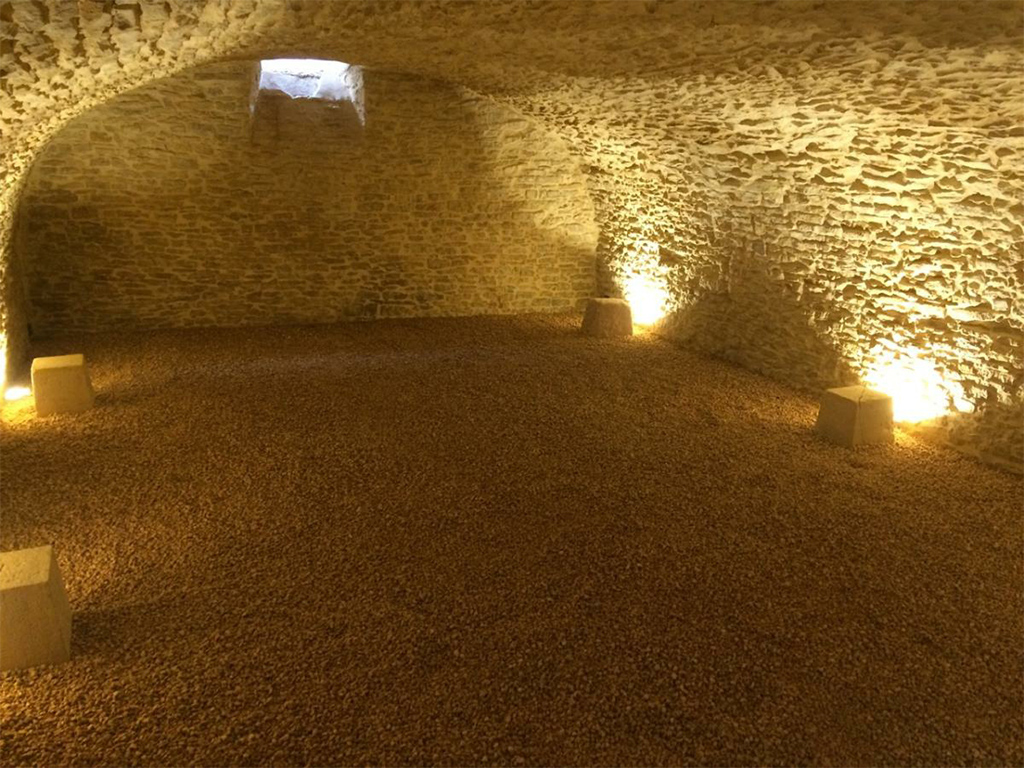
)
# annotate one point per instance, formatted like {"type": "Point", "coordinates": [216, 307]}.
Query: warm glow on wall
{"type": "Point", "coordinates": [643, 280]}
{"type": "Point", "coordinates": [647, 297]}
{"type": "Point", "coordinates": [916, 386]}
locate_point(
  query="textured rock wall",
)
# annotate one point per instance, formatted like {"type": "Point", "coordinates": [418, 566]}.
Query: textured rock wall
{"type": "Point", "coordinates": [840, 210]}
{"type": "Point", "coordinates": [14, 342]}
{"type": "Point", "coordinates": [808, 188]}
{"type": "Point", "coordinates": [174, 205]}
{"type": "Point", "coordinates": [825, 232]}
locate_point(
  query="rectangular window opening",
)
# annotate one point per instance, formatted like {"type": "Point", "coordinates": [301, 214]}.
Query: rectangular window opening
{"type": "Point", "coordinates": [323, 79]}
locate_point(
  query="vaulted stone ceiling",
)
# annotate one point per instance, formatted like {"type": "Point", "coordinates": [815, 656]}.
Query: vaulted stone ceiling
{"type": "Point", "coordinates": [813, 189]}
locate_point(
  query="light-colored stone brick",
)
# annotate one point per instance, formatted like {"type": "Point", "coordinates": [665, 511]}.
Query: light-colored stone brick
{"type": "Point", "coordinates": [35, 617]}
{"type": "Point", "coordinates": [853, 416]}
{"type": "Point", "coordinates": [61, 384]}
{"type": "Point", "coordinates": [608, 318]}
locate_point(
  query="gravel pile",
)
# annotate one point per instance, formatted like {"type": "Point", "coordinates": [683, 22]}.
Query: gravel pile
{"type": "Point", "coordinates": [494, 541]}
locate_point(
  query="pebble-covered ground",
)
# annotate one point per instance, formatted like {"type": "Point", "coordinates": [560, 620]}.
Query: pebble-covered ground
{"type": "Point", "coordinates": [498, 542]}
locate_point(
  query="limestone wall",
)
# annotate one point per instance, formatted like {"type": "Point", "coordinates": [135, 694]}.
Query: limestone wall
{"type": "Point", "coordinates": [810, 189]}
{"type": "Point", "coordinates": [833, 208]}
{"type": "Point", "coordinates": [868, 225]}
{"type": "Point", "coordinates": [175, 205]}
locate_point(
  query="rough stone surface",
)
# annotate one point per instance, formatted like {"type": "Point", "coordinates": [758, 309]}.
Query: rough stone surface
{"type": "Point", "coordinates": [496, 541]}
{"type": "Point", "coordinates": [812, 187]}
{"type": "Point", "coordinates": [60, 384]}
{"type": "Point", "coordinates": [607, 318]}
{"type": "Point", "coordinates": [444, 204]}
{"type": "Point", "coordinates": [35, 617]}
{"type": "Point", "coordinates": [853, 416]}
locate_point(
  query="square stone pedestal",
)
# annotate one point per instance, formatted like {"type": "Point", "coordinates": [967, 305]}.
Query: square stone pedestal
{"type": "Point", "coordinates": [852, 416]}
{"type": "Point", "coordinates": [608, 318]}
{"type": "Point", "coordinates": [61, 385]}
{"type": "Point", "coordinates": [35, 618]}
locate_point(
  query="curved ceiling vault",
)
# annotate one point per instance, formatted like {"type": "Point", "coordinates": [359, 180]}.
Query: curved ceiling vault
{"type": "Point", "coordinates": [819, 191]}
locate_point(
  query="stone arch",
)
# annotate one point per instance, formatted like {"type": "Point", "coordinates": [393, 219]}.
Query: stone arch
{"type": "Point", "coordinates": [175, 204]}
{"type": "Point", "coordinates": [70, 57]}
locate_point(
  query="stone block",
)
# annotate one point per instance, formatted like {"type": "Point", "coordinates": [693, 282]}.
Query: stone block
{"type": "Point", "coordinates": [61, 385]}
{"type": "Point", "coordinates": [35, 617]}
{"type": "Point", "coordinates": [852, 416]}
{"type": "Point", "coordinates": [608, 318]}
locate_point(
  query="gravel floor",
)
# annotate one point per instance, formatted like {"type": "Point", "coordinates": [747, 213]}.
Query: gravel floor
{"type": "Point", "coordinates": [495, 541]}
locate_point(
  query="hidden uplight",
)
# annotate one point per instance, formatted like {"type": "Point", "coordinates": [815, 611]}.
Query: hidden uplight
{"type": "Point", "coordinates": [915, 385]}
{"type": "Point", "coordinates": [17, 393]}
{"type": "Point", "coordinates": [648, 299]}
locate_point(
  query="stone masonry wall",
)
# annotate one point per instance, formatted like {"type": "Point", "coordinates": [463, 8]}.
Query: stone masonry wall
{"type": "Point", "coordinates": [839, 209]}
{"type": "Point", "coordinates": [811, 189]}
{"type": "Point", "coordinates": [174, 205]}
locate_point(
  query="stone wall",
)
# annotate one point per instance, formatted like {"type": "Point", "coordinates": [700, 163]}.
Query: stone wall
{"type": "Point", "coordinates": [810, 189]}
{"type": "Point", "coordinates": [824, 230]}
{"type": "Point", "coordinates": [178, 205]}
{"type": "Point", "coordinates": [835, 208]}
